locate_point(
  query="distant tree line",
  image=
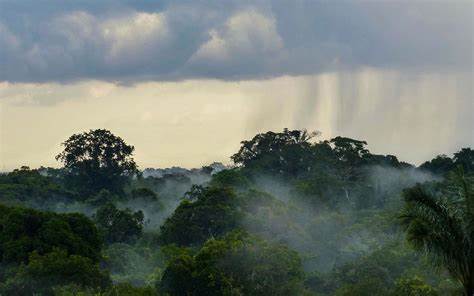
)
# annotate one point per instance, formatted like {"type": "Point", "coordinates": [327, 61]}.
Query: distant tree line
{"type": "Point", "coordinates": [294, 216]}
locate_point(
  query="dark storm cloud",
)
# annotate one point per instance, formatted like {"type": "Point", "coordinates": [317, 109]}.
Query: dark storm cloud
{"type": "Point", "coordinates": [129, 41]}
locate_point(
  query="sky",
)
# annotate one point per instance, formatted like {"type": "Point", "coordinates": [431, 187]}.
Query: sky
{"type": "Point", "coordinates": [186, 81]}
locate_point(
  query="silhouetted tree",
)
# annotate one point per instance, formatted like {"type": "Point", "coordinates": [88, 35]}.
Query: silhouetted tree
{"type": "Point", "coordinates": [97, 160]}
{"type": "Point", "coordinates": [440, 165]}
{"type": "Point", "coordinates": [465, 159]}
{"type": "Point", "coordinates": [282, 153]}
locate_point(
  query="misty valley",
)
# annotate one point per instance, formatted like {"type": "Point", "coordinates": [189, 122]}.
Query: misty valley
{"type": "Point", "coordinates": [236, 148]}
{"type": "Point", "coordinates": [291, 215]}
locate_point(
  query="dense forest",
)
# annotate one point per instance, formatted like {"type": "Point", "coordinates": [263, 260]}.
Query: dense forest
{"type": "Point", "coordinates": [293, 215]}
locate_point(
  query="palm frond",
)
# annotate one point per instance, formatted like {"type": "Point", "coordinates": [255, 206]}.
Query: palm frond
{"type": "Point", "coordinates": [442, 226]}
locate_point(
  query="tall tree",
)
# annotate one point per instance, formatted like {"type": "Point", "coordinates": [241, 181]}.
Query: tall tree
{"type": "Point", "coordinates": [283, 153]}
{"type": "Point", "coordinates": [465, 159]}
{"type": "Point", "coordinates": [97, 160]}
{"type": "Point", "coordinates": [440, 165]}
{"type": "Point", "coordinates": [351, 155]}
{"type": "Point", "coordinates": [443, 226]}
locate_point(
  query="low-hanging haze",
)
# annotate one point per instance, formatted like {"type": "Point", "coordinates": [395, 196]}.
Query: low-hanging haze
{"type": "Point", "coordinates": [186, 81]}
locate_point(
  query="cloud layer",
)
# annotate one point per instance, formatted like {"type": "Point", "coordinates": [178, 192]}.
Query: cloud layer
{"type": "Point", "coordinates": [195, 122]}
{"type": "Point", "coordinates": [130, 41]}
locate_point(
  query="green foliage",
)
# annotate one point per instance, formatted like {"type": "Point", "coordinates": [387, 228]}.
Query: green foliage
{"type": "Point", "coordinates": [366, 287]}
{"type": "Point", "coordinates": [329, 208]}
{"type": "Point", "coordinates": [42, 250]}
{"type": "Point", "coordinates": [377, 272]}
{"type": "Point", "coordinates": [349, 151]}
{"type": "Point", "coordinates": [119, 225]}
{"type": "Point", "coordinates": [121, 289]}
{"type": "Point", "coordinates": [413, 287]}
{"type": "Point", "coordinates": [125, 289]}
{"type": "Point", "coordinates": [443, 164]}
{"type": "Point", "coordinates": [74, 290]}
{"type": "Point", "coordinates": [97, 160]}
{"type": "Point", "coordinates": [440, 165]}
{"type": "Point", "coordinates": [136, 264]}
{"type": "Point", "coordinates": [144, 193]}
{"type": "Point", "coordinates": [275, 153]}
{"type": "Point", "coordinates": [326, 173]}
{"type": "Point", "coordinates": [230, 178]}
{"type": "Point", "coordinates": [178, 277]}
{"type": "Point", "coordinates": [43, 272]}
{"type": "Point", "coordinates": [464, 158]}
{"type": "Point", "coordinates": [25, 185]}
{"type": "Point", "coordinates": [213, 212]}
{"type": "Point", "coordinates": [442, 224]}
{"type": "Point", "coordinates": [237, 264]}
{"type": "Point", "coordinates": [23, 231]}
{"type": "Point", "coordinates": [103, 197]}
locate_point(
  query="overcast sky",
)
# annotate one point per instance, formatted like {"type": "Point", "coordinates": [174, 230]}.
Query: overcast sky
{"type": "Point", "coordinates": [185, 81]}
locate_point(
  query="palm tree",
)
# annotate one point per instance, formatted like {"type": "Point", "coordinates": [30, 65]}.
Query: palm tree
{"type": "Point", "coordinates": [442, 225]}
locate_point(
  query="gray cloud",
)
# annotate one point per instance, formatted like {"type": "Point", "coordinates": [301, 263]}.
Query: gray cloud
{"type": "Point", "coordinates": [130, 41]}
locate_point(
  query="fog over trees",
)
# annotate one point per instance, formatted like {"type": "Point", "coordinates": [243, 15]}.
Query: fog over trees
{"type": "Point", "coordinates": [293, 215]}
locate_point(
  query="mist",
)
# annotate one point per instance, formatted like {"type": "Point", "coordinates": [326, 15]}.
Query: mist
{"type": "Point", "coordinates": [330, 237]}
{"type": "Point", "coordinates": [236, 148]}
